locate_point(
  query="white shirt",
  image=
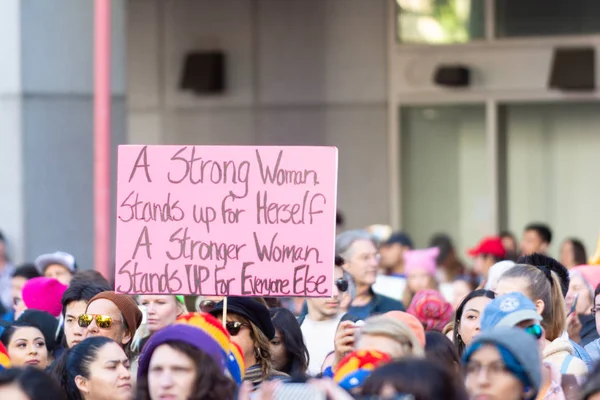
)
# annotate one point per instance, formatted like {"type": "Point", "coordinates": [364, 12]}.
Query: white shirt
{"type": "Point", "coordinates": [390, 286]}
{"type": "Point", "coordinates": [319, 337]}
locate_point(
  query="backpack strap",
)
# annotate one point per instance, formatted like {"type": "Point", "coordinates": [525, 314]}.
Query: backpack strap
{"type": "Point", "coordinates": [565, 364]}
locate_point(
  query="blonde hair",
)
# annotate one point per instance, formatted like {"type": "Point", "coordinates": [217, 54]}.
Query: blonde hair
{"type": "Point", "coordinates": [396, 330]}
{"type": "Point", "coordinates": [143, 332]}
{"type": "Point", "coordinates": [544, 285]}
{"type": "Point", "coordinates": [448, 328]}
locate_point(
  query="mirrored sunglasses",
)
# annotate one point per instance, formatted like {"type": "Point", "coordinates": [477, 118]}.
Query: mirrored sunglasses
{"type": "Point", "coordinates": [535, 330]}
{"type": "Point", "coordinates": [102, 321]}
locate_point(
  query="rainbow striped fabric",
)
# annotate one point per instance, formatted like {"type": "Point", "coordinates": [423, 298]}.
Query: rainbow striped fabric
{"type": "Point", "coordinates": [4, 359]}
{"type": "Point", "coordinates": [213, 327]}
{"type": "Point", "coordinates": [354, 369]}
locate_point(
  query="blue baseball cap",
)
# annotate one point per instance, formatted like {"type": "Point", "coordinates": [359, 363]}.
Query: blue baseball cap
{"type": "Point", "coordinates": [508, 310]}
{"type": "Point", "coordinates": [400, 238]}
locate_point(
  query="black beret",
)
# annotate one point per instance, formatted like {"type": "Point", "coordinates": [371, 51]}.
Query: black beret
{"type": "Point", "coordinates": [45, 322]}
{"type": "Point", "coordinates": [251, 310]}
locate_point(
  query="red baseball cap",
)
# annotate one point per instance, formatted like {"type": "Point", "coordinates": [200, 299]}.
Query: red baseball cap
{"type": "Point", "coordinates": [489, 245]}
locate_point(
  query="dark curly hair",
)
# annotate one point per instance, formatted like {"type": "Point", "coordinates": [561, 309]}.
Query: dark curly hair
{"type": "Point", "coordinates": [210, 383]}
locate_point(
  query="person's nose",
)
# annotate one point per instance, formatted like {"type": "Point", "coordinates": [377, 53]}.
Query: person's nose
{"type": "Point", "coordinates": [91, 329]}
{"type": "Point", "coordinates": [482, 377]}
{"type": "Point", "coordinates": [79, 331]}
{"type": "Point", "coordinates": [335, 293]}
{"type": "Point", "coordinates": [165, 380]}
{"type": "Point", "coordinates": [150, 309]}
{"type": "Point", "coordinates": [124, 373]}
{"type": "Point", "coordinates": [33, 349]}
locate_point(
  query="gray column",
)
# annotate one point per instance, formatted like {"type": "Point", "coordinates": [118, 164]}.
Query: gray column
{"type": "Point", "coordinates": [54, 133]}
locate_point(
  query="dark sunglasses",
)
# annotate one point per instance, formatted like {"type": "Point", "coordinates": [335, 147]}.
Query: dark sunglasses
{"type": "Point", "coordinates": [102, 321]}
{"type": "Point", "coordinates": [234, 327]}
{"type": "Point", "coordinates": [206, 305]}
{"type": "Point", "coordinates": [342, 284]}
{"type": "Point", "coordinates": [535, 330]}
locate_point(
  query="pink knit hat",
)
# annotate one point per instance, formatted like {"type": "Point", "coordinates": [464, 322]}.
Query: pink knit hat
{"type": "Point", "coordinates": [424, 259]}
{"type": "Point", "coordinates": [44, 294]}
{"type": "Point", "coordinates": [591, 274]}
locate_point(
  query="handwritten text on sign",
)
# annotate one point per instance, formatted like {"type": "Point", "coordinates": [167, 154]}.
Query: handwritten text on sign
{"type": "Point", "coordinates": [226, 220]}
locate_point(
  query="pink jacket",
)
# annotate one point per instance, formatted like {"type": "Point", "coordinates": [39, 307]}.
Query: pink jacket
{"type": "Point", "coordinates": [555, 391]}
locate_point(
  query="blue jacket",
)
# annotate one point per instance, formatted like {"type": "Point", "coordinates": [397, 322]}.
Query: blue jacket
{"type": "Point", "coordinates": [583, 355]}
{"type": "Point", "coordinates": [593, 350]}
{"type": "Point", "coordinates": [379, 304]}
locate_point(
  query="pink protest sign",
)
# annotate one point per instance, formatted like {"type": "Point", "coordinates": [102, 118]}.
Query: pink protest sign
{"type": "Point", "coordinates": [226, 220]}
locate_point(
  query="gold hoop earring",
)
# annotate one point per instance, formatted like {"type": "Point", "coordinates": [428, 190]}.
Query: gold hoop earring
{"type": "Point", "coordinates": [256, 352]}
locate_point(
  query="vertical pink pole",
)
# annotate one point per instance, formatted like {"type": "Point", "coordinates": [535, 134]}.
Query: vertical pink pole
{"type": "Point", "coordinates": [102, 137]}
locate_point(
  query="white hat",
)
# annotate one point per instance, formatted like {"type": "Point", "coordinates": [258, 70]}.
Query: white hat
{"type": "Point", "coordinates": [60, 257]}
{"type": "Point", "coordinates": [496, 271]}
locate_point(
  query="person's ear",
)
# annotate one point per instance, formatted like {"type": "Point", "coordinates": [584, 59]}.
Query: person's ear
{"type": "Point", "coordinates": [540, 306]}
{"type": "Point", "coordinates": [528, 393]}
{"type": "Point", "coordinates": [82, 384]}
{"type": "Point", "coordinates": [544, 247]}
{"type": "Point", "coordinates": [180, 309]}
{"type": "Point", "coordinates": [126, 337]}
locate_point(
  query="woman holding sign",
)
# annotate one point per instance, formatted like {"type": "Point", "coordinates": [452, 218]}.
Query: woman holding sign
{"type": "Point", "coordinates": [250, 327]}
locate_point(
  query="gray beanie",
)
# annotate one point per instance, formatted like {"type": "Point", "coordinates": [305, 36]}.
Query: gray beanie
{"type": "Point", "coordinates": [520, 344]}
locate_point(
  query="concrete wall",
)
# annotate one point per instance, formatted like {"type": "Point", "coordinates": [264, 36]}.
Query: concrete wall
{"type": "Point", "coordinates": [299, 73]}
{"type": "Point", "coordinates": [46, 124]}
{"type": "Point", "coordinates": [11, 194]}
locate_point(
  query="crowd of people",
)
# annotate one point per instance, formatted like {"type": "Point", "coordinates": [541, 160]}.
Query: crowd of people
{"type": "Point", "coordinates": [402, 323]}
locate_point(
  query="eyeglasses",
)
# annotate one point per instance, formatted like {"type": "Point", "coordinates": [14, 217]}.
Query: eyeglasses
{"type": "Point", "coordinates": [342, 284]}
{"type": "Point", "coordinates": [492, 370]}
{"type": "Point", "coordinates": [102, 321]}
{"type": "Point", "coordinates": [207, 305]}
{"type": "Point", "coordinates": [535, 330]}
{"type": "Point", "coordinates": [234, 327]}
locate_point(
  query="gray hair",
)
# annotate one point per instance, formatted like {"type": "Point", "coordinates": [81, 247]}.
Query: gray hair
{"type": "Point", "coordinates": [345, 240]}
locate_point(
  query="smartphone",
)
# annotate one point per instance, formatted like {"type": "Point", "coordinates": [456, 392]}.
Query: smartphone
{"type": "Point", "coordinates": [298, 391]}
{"type": "Point", "coordinates": [574, 304]}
